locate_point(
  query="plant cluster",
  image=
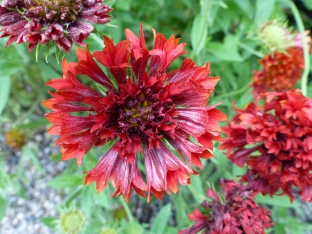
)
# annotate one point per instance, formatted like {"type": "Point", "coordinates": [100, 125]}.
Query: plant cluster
{"type": "Point", "coordinates": [162, 112]}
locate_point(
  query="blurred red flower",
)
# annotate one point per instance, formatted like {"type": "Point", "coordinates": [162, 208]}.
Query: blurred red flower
{"type": "Point", "coordinates": [236, 212]}
{"type": "Point", "coordinates": [279, 72]}
{"type": "Point", "coordinates": [145, 112]}
{"type": "Point", "coordinates": [41, 22]}
{"type": "Point", "coordinates": [275, 141]}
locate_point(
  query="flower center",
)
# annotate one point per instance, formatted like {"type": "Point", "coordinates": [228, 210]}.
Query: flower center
{"type": "Point", "coordinates": [137, 112]}
{"type": "Point", "coordinates": [54, 11]}
{"type": "Point", "coordinates": [141, 115]}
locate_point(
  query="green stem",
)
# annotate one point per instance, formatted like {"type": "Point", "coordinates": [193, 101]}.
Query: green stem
{"type": "Point", "coordinates": [199, 197]}
{"type": "Point", "coordinates": [304, 78]}
{"type": "Point", "coordinates": [97, 39]}
{"type": "Point", "coordinates": [28, 113]}
{"type": "Point", "coordinates": [208, 170]}
{"type": "Point", "coordinates": [126, 207]}
{"type": "Point", "coordinates": [250, 50]}
{"type": "Point", "coordinates": [72, 195]}
{"type": "Point", "coordinates": [235, 92]}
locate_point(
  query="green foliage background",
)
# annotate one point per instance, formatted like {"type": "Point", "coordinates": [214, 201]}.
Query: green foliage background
{"type": "Point", "coordinates": [217, 31]}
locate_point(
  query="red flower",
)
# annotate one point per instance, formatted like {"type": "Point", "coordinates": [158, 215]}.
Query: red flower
{"type": "Point", "coordinates": [280, 71]}
{"type": "Point", "coordinates": [145, 113]}
{"type": "Point", "coordinates": [275, 141]}
{"type": "Point", "coordinates": [235, 213]}
{"type": "Point", "coordinates": [40, 22]}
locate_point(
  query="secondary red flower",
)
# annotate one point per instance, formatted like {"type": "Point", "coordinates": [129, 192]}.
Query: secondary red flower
{"type": "Point", "coordinates": [145, 113]}
{"type": "Point", "coordinates": [275, 140]}
{"type": "Point", "coordinates": [282, 67]}
{"type": "Point", "coordinates": [279, 72]}
{"type": "Point", "coordinates": [44, 21]}
{"type": "Point", "coordinates": [236, 212]}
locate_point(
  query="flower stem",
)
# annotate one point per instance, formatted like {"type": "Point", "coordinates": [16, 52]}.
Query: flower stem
{"type": "Point", "coordinates": [235, 92]}
{"type": "Point", "coordinates": [199, 197]}
{"type": "Point", "coordinates": [126, 207]}
{"type": "Point", "coordinates": [304, 78]}
{"type": "Point", "coordinates": [28, 113]}
{"type": "Point", "coordinates": [250, 50]}
{"type": "Point", "coordinates": [97, 39]}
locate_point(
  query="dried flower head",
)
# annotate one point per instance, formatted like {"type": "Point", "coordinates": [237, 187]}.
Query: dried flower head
{"type": "Point", "coordinates": [15, 138]}
{"type": "Point", "coordinates": [275, 140]}
{"type": "Point", "coordinates": [145, 113]}
{"type": "Point", "coordinates": [235, 212]}
{"type": "Point", "coordinates": [47, 21]}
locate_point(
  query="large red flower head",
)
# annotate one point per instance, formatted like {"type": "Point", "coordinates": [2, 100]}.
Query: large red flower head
{"type": "Point", "coordinates": [236, 212]}
{"type": "Point", "coordinates": [145, 113]}
{"type": "Point", "coordinates": [44, 21]}
{"type": "Point", "coordinates": [275, 140]}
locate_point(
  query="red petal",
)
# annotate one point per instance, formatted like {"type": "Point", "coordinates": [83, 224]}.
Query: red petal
{"type": "Point", "coordinates": [87, 66]}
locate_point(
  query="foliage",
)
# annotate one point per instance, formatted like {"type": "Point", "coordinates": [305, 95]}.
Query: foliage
{"type": "Point", "coordinates": [219, 31]}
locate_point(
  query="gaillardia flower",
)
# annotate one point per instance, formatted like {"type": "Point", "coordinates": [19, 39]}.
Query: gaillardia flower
{"type": "Point", "coordinates": [280, 71]}
{"type": "Point", "coordinates": [44, 21]}
{"type": "Point", "coordinates": [146, 112]}
{"type": "Point", "coordinates": [235, 212]}
{"type": "Point", "coordinates": [282, 67]}
{"type": "Point", "coordinates": [275, 36]}
{"type": "Point", "coordinates": [275, 140]}
{"type": "Point", "coordinates": [71, 220]}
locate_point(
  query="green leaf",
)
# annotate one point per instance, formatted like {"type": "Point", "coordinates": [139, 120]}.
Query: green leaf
{"type": "Point", "coordinates": [87, 201]}
{"type": "Point", "coordinates": [244, 5]}
{"type": "Point", "coordinates": [238, 171]}
{"type": "Point", "coordinates": [227, 51]}
{"type": "Point", "coordinates": [198, 185]}
{"type": "Point", "coordinates": [9, 67]}
{"type": "Point", "coordinates": [123, 5]}
{"type": "Point", "coordinates": [161, 220]}
{"type": "Point", "coordinates": [308, 4]}
{"type": "Point", "coordinates": [181, 211]}
{"type": "Point", "coordinates": [264, 9]}
{"type": "Point", "coordinates": [279, 228]}
{"type": "Point", "coordinates": [4, 203]}
{"type": "Point", "coordinates": [31, 153]}
{"type": "Point", "coordinates": [199, 33]}
{"type": "Point", "coordinates": [65, 181]}
{"type": "Point", "coordinates": [34, 124]}
{"type": "Point", "coordinates": [48, 221]}
{"type": "Point", "coordinates": [4, 91]}
{"type": "Point", "coordinates": [57, 54]}
{"type": "Point", "coordinates": [109, 2]}
{"type": "Point", "coordinates": [102, 198]}
{"type": "Point", "coordinates": [282, 201]}
{"type": "Point", "coordinates": [38, 49]}
{"type": "Point", "coordinates": [56, 157]}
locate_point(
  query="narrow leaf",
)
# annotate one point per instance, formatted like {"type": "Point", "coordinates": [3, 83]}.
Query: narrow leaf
{"type": "Point", "coordinates": [264, 9]}
{"type": "Point", "coordinates": [65, 181]}
{"type": "Point", "coordinates": [199, 33]}
{"type": "Point", "coordinates": [4, 203]}
{"type": "Point", "coordinates": [282, 201]}
{"type": "Point", "coordinates": [48, 221]}
{"type": "Point", "coordinates": [161, 220]}
{"type": "Point", "coordinates": [4, 91]}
